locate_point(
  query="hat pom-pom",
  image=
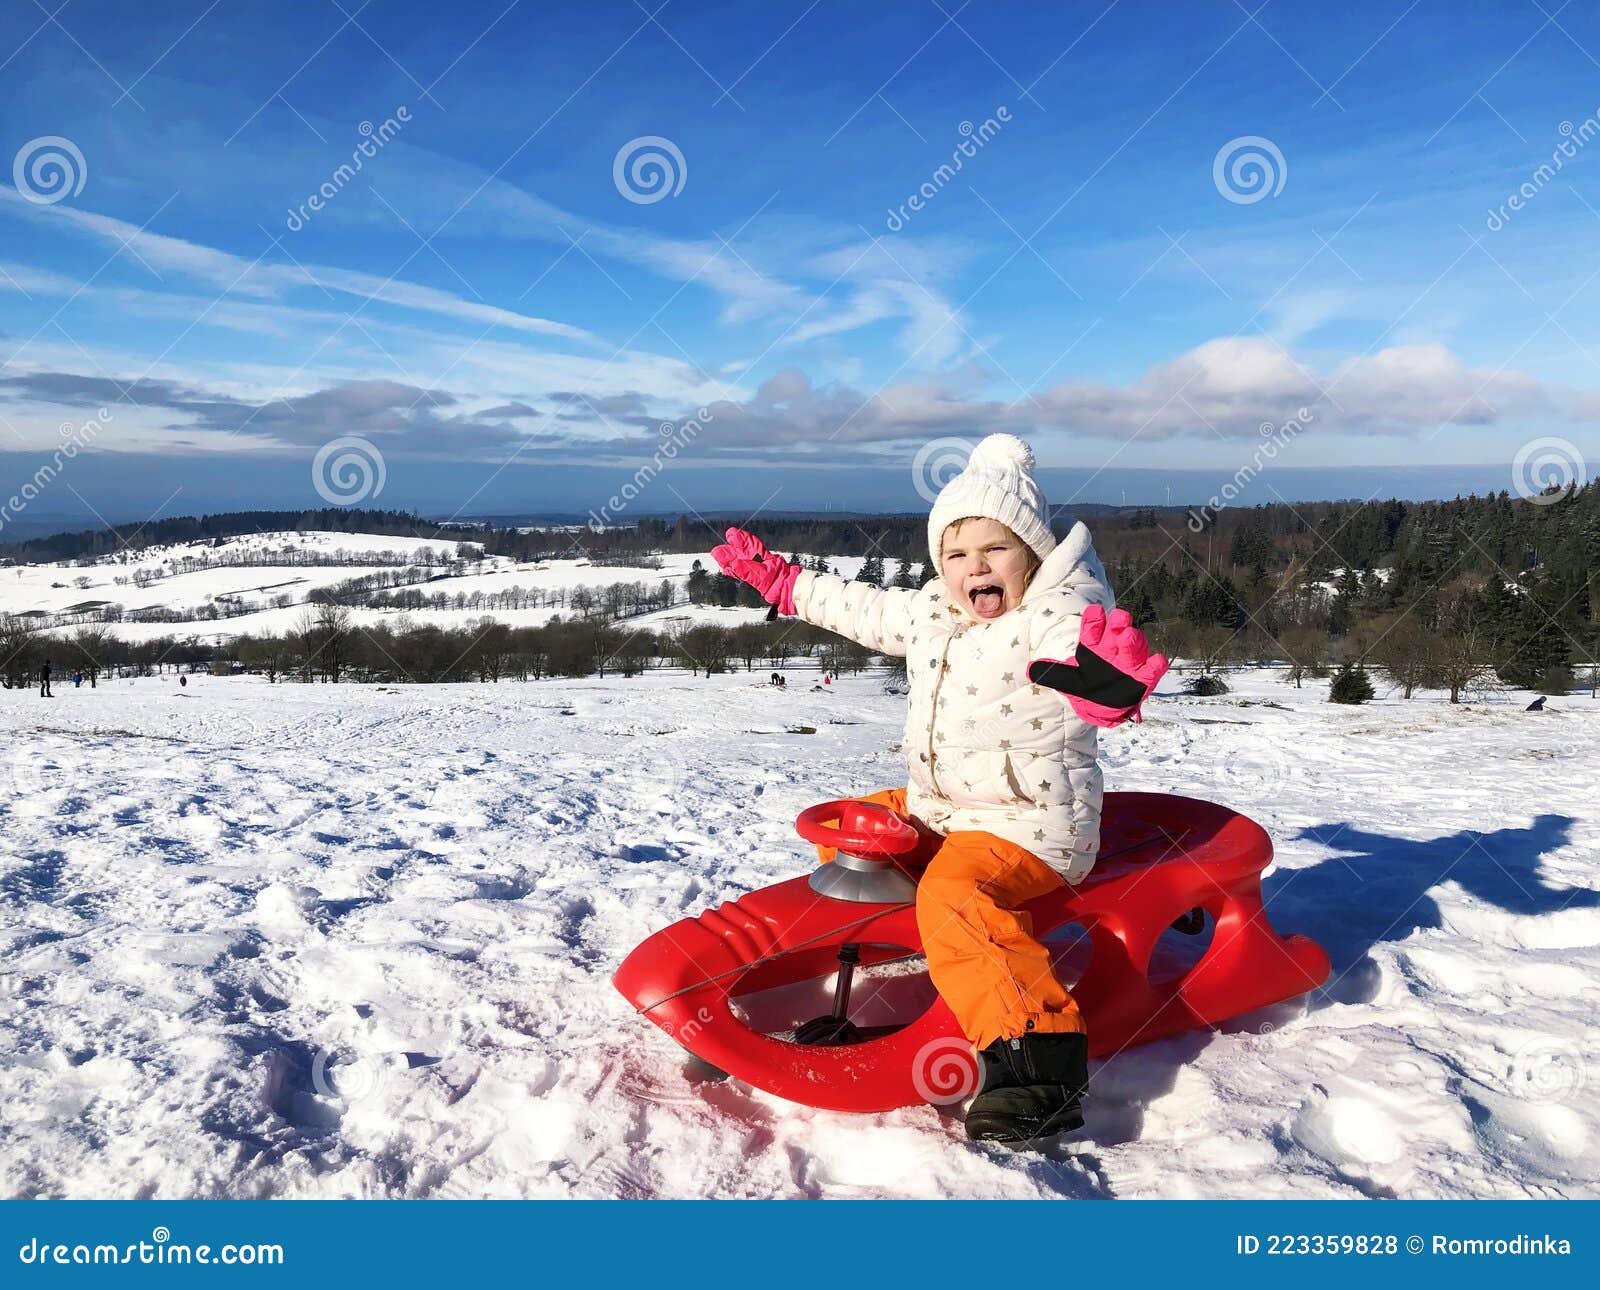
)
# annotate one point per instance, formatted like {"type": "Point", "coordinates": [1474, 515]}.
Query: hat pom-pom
{"type": "Point", "coordinates": [1000, 450]}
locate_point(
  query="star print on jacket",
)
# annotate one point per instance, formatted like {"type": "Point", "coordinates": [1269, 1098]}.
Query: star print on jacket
{"type": "Point", "coordinates": [974, 717]}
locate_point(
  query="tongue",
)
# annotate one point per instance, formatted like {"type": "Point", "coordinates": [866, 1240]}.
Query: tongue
{"type": "Point", "coordinates": [987, 603]}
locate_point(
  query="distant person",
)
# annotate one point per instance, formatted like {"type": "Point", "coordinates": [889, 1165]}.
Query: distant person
{"type": "Point", "coordinates": [1537, 705]}
{"type": "Point", "coordinates": [183, 680]}
{"type": "Point", "coordinates": [77, 679]}
{"type": "Point", "coordinates": [44, 682]}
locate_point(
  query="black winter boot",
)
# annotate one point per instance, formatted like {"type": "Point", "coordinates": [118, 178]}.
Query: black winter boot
{"type": "Point", "coordinates": [1031, 1088]}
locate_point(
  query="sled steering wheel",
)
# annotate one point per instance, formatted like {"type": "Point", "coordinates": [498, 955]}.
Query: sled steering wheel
{"type": "Point", "coordinates": [857, 828]}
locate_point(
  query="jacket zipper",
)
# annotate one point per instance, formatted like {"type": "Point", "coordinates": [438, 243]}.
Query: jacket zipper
{"type": "Point", "coordinates": [933, 715]}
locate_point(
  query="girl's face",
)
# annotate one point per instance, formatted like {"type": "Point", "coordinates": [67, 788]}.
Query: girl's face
{"type": "Point", "coordinates": [986, 566]}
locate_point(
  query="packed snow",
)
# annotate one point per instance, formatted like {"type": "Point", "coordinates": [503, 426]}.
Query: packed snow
{"type": "Point", "coordinates": [314, 940]}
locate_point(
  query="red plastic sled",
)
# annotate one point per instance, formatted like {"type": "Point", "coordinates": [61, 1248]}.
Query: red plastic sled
{"type": "Point", "coordinates": [1160, 857]}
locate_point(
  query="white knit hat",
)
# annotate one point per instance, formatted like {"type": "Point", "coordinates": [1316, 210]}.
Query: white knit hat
{"type": "Point", "coordinates": [997, 484]}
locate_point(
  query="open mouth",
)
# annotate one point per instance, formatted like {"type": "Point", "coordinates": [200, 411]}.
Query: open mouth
{"type": "Point", "coordinates": [988, 601]}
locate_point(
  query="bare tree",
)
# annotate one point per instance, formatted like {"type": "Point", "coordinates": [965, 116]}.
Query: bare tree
{"type": "Point", "coordinates": [1465, 663]}
{"type": "Point", "coordinates": [1307, 650]}
{"type": "Point", "coordinates": [91, 649]}
{"type": "Point", "coordinates": [1408, 654]}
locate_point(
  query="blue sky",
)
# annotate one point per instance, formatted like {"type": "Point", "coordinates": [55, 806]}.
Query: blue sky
{"type": "Point", "coordinates": [485, 306]}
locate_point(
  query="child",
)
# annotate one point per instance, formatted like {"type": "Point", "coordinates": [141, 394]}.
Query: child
{"type": "Point", "coordinates": [1000, 769]}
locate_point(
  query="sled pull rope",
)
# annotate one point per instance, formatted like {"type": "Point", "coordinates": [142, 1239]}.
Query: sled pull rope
{"type": "Point", "coordinates": [834, 931]}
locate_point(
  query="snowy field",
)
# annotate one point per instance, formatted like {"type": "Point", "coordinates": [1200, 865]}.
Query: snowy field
{"type": "Point", "coordinates": [355, 941]}
{"type": "Point", "coordinates": [54, 588]}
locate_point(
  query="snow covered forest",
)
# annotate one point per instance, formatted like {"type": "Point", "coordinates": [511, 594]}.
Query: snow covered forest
{"type": "Point", "coordinates": [1466, 595]}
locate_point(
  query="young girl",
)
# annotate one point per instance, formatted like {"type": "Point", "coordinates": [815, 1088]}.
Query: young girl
{"type": "Point", "coordinates": [1001, 770]}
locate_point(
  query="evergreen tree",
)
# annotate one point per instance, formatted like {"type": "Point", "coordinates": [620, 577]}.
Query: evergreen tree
{"type": "Point", "coordinates": [903, 577]}
{"type": "Point", "coordinates": [1350, 685]}
{"type": "Point", "coordinates": [699, 584]}
{"type": "Point", "coordinates": [871, 571]}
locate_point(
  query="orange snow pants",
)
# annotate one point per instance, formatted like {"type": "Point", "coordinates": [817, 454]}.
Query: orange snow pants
{"type": "Point", "coordinates": [982, 957]}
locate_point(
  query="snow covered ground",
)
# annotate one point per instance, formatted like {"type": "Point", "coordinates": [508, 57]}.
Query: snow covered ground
{"type": "Point", "coordinates": [356, 941]}
{"type": "Point", "coordinates": [35, 589]}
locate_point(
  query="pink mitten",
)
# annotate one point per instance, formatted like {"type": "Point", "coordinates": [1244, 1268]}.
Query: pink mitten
{"type": "Point", "coordinates": [746, 558]}
{"type": "Point", "coordinates": [1112, 674]}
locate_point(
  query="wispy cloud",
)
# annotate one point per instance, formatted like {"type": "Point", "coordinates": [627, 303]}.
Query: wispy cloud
{"type": "Point", "coordinates": [269, 280]}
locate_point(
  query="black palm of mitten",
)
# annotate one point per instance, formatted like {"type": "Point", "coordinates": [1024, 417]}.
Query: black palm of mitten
{"type": "Point", "coordinates": [1112, 673]}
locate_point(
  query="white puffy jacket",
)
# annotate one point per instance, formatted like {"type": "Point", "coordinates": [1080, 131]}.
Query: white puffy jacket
{"type": "Point", "coordinates": [987, 749]}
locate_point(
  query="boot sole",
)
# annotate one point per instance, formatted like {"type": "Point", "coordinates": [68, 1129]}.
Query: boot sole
{"type": "Point", "coordinates": [1009, 1133]}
